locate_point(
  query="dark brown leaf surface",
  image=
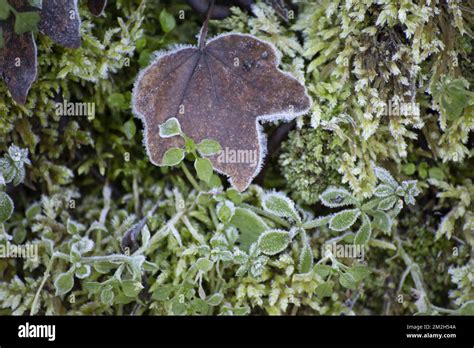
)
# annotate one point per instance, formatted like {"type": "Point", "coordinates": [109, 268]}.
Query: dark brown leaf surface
{"type": "Point", "coordinates": [96, 6]}
{"type": "Point", "coordinates": [220, 91]}
{"type": "Point", "coordinates": [60, 21]}
{"type": "Point", "coordinates": [17, 57]}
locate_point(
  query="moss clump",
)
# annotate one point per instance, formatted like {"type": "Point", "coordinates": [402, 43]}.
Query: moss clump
{"type": "Point", "coordinates": [309, 161]}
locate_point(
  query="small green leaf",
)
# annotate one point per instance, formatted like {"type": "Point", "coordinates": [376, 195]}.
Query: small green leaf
{"type": "Point", "coordinates": [167, 21]}
{"type": "Point", "coordinates": [384, 176]}
{"type": "Point", "coordinates": [344, 220]}
{"type": "Point", "coordinates": [209, 147]}
{"type": "Point", "coordinates": [273, 242]}
{"type": "Point", "coordinates": [170, 128]}
{"type": "Point", "coordinates": [347, 280]}
{"type": "Point", "coordinates": [383, 221]}
{"type": "Point", "coordinates": [409, 168]}
{"type": "Point", "coordinates": [466, 309]}
{"type": "Point", "coordinates": [305, 263]}
{"type": "Point", "coordinates": [324, 289]}
{"type": "Point", "coordinates": [215, 299]}
{"type": "Point", "coordinates": [280, 205]}
{"type": "Point", "coordinates": [225, 211]}
{"type": "Point", "coordinates": [234, 195]}
{"type": "Point", "coordinates": [131, 288]}
{"type": "Point", "coordinates": [33, 211]}
{"type": "Point", "coordinates": [4, 10]}
{"type": "Point", "coordinates": [203, 264]}
{"type": "Point", "coordinates": [322, 270]}
{"type": "Point", "coordinates": [359, 272]}
{"type": "Point", "coordinates": [64, 283]}
{"type": "Point", "coordinates": [6, 207]}
{"type": "Point", "coordinates": [203, 169]}
{"type": "Point", "coordinates": [334, 197]}
{"type": "Point", "coordinates": [387, 203]}
{"type": "Point", "coordinates": [2, 40]}
{"type": "Point", "coordinates": [103, 267]}
{"type": "Point", "coordinates": [321, 221]}
{"type": "Point", "coordinates": [129, 129]}
{"type": "Point", "coordinates": [116, 100]}
{"type": "Point", "coordinates": [250, 225]}
{"type": "Point", "coordinates": [436, 173]}
{"type": "Point", "coordinates": [173, 157]}
{"type": "Point", "coordinates": [36, 3]}
{"type": "Point", "coordinates": [382, 244]}
{"type": "Point", "coordinates": [364, 232]}
{"type": "Point", "coordinates": [383, 190]}
{"type": "Point", "coordinates": [26, 21]}
{"type": "Point", "coordinates": [107, 296]}
{"type": "Point", "coordinates": [83, 271]}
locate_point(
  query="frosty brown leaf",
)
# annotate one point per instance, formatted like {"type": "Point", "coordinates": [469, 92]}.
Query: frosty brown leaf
{"type": "Point", "coordinates": [60, 21]}
{"type": "Point", "coordinates": [17, 61]}
{"type": "Point", "coordinates": [220, 90]}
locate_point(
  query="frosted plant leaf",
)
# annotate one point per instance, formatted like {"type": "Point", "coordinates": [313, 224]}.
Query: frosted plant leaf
{"type": "Point", "coordinates": [334, 197]}
{"type": "Point", "coordinates": [83, 271]}
{"type": "Point", "coordinates": [383, 221]}
{"type": "Point", "coordinates": [383, 190]}
{"type": "Point", "coordinates": [170, 128]}
{"type": "Point", "coordinates": [364, 232]}
{"type": "Point", "coordinates": [384, 176]}
{"type": "Point", "coordinates": [280, 205]}
{"type": "Point", "coordinates": [84, 245]}
{"type": "Point", "coordinates": [64, 283]}
{"type": "Point", "coordinates": [273, 242]}
{"type": "Point", "coordinates": [387, 203]}
{"type": "Point", "coordinates": [343, 220]}
{"type": "Point", "coordinates": [6, 207]}
{"type": "Point", "coordinates": [225, 211]}
{"type": "Point", "coordinates": [209, 147]}
{"type": "Point", "coordinates": [219, 90]}
{"type": "Point", "coordinates": [320, 221]}
{"type": "Point", "coordinates": [305, 263]}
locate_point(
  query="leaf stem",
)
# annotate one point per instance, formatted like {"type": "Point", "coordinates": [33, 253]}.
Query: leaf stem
{"type": "Point", "coordinates": [43, 282]}
{"type": "Point", "coordinates": [190, 177]}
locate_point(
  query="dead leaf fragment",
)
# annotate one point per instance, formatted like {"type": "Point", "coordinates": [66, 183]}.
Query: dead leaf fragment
{"type": "Point", "coordinates": [96, 6]}
{"type": "Point", "coordinates": [17, 61]}
{"type": "Point", "coordinates": [219, 90]}
{"type": "Point", "coordinates": [61, 22]}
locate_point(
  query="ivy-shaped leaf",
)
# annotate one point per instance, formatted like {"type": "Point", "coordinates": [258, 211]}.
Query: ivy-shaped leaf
{"type": "Point", "coordinates": [218, 90]}
{"type": "Point", "coordinates": [57, 19]}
